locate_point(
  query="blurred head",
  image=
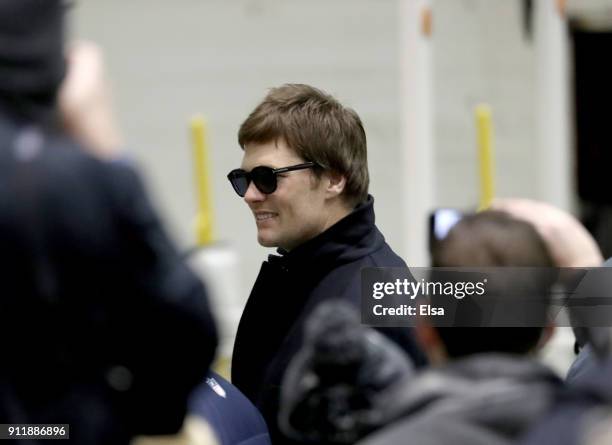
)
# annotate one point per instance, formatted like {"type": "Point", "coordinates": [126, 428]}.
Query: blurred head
{"type": "Point", "coordinates": [31, 55]}
{"type": "Point", "coordinates": [296, 124]}
{"type": "Point", "coordinates": [487, 239]}
{"type": "Point", "coordinates": [337, 385]}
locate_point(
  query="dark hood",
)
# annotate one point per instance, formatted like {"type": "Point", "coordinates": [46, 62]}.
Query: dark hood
{"type": "Point", "coordinates": [334, 386]}
{"type": "Point", "coordinates": [32, 62]}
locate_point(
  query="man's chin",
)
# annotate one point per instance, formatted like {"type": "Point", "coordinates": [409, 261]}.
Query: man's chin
{"type": "Point", "coordinates": [266, 241]}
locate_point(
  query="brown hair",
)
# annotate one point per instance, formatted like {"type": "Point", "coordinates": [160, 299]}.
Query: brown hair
{"type": "Point", "coordinates": [493, 239]}
{"type": "Point", "coordinates": [318, 128]}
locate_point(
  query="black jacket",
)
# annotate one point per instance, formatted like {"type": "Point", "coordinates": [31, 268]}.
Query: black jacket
{"type": "Point", "coordinates": [107, 328]}
{"type": "Point", "coordinates": [289, 287]}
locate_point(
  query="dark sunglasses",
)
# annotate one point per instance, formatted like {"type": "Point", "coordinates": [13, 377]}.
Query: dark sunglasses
{"type": "Point", "coordinates": [263, 177]}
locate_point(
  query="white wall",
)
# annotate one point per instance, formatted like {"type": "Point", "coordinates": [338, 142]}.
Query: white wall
{"type": "Point", "coordinates": [481, 55]}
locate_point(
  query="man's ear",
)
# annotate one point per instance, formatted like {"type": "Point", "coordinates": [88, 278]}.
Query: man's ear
{"type": "Point", "coordinates": [430, 342]}
{"type": "Point", "coordinates": [547, 334]}
{"type": "Point", "coordinates": [335, 183]}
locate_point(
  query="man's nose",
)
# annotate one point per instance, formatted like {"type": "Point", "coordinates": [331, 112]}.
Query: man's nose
{"type": "Point", "coordinates": [253, 194]}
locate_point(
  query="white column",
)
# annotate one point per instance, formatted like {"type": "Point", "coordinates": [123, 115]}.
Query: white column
{"type": "Point", "coordinates": [416, 130]}
{"type": "Point", "coordinates": [552, 129]}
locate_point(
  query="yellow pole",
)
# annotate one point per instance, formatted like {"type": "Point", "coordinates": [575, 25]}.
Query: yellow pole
{"type": "Point", "coordinates": [204, 216]}
{"type": "Point", "coordinates": [484, 128]}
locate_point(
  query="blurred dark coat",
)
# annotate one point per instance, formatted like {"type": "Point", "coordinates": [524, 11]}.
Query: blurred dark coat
{"type": "Point", "coordinates": [574, 416]}
{"type": "Point", "coordinates": [103, 325]}
{"type": "Point", "coordinates": [336, 388]}
{"type": "Point", "coordinates": [481, 400]}
{"type": "Point", "coordinates": [289, 287]}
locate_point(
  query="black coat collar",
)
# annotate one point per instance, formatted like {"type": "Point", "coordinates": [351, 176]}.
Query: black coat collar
{"type": "Point", "coordinates": [351, 238]}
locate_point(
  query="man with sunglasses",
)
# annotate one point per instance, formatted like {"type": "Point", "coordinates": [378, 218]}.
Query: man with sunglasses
{"type": "Point", "coordinates": [304, 176]}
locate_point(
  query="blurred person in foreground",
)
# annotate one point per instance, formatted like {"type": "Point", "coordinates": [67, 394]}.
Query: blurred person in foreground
{"type": "Point", "coordinates": [484, 386]}
{"type": "Point", "coordinates": [104, 326]}
{"type": "Point", "coordinates": [304, 177]}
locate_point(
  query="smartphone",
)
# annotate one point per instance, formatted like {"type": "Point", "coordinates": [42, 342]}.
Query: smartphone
{"type": "Point", "coordinates": [441, 221]}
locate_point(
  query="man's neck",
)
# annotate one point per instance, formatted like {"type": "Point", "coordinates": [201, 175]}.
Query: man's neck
{"type": "Point", "coordinates": [336, 212]}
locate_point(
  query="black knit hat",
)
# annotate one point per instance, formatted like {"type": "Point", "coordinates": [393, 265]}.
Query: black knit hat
{"type": "Point", "coordinates": [32, 62]}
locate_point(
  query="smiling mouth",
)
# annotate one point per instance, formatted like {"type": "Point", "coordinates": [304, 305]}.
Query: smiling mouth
{"type": "Point", "coordinates": [264, 216]}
